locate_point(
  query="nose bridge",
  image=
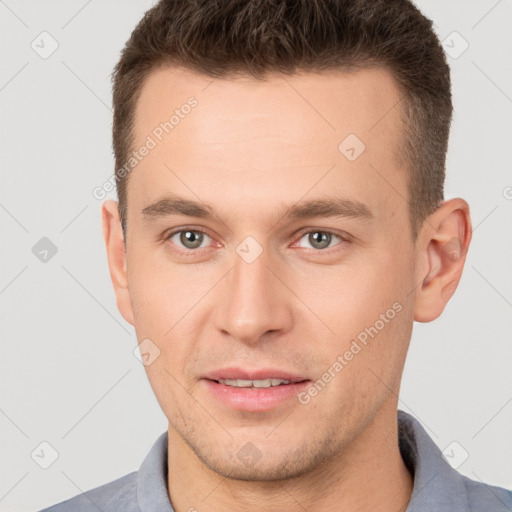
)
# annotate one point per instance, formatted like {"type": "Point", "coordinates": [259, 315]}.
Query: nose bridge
{"type": "Point", "coordinates": [253, 303]}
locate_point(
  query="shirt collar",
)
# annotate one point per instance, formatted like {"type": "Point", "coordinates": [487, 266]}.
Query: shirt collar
{"type": "Point", "coordinates": [436, 485]}
{"type": "Point", "coordinates": [152, 493]}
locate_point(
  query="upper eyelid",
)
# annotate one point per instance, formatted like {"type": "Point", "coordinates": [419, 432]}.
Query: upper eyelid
{"type": "Point", "coordinates": [306, 231]}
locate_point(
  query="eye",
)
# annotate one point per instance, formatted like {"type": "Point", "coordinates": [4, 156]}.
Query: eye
{"type": "Point", "coordinates": [320, 240]}
{"type": "Point", "coordinates": [189, 238]}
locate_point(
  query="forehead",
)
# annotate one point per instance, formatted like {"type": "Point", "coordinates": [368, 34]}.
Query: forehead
{"type": "Point", "coordinates": [249, 137]}
{"type": "Point", "coordinates": [329, 103]}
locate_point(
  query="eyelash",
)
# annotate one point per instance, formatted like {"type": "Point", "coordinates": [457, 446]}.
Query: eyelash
{"type": "Point", "coordinates": [343, 239]}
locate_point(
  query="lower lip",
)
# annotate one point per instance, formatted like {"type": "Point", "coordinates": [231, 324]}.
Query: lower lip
{"type": "Point", "coordinates": [254, 399]}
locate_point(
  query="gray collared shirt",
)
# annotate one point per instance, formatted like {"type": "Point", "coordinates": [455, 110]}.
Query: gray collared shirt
{"type": "Point", "coordinates": [437, 486]}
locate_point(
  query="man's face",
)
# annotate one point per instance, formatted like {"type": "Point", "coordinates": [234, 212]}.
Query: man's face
{"type": "Point", "coordinates": [263, 291]}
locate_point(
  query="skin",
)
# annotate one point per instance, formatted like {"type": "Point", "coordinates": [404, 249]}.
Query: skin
{"type": "Point", "coordinates": [249, 149]}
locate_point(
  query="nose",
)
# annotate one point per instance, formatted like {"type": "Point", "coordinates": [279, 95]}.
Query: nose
{"type": "Point", "coordinates": [254, 303]}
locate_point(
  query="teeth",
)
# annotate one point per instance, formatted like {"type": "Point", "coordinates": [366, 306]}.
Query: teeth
{"type": "Point", "coordinates": [265, 383]}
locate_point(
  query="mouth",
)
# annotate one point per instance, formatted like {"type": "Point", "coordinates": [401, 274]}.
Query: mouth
{"type": "Point", "coordinates": [254, 391]}
{"type": "Point", "coordinates": [258, 383]}
{"type": "Point", "coordinates": [263, 378]}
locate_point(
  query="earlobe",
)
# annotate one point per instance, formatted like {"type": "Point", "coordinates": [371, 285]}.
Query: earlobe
{"type": "Point", "coordinates": [442, 246]}
{"type": "Point", "coordinates": [116, 254]}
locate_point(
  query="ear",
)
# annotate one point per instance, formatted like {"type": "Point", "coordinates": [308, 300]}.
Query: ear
{"type": "Point", "coordinates": [116, 254]}
{"type": "Point", "coordinates": [441, 252]}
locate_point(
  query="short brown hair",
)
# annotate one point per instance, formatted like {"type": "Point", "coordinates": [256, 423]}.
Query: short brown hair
{"type": "Point", "coordinates": [252, 37]}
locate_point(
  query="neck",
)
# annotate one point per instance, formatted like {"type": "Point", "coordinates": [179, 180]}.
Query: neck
{"type": "Point", "coordinates": [368, 475]}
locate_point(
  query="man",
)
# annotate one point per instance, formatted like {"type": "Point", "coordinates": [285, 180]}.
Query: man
{"type": "Point", "coordinates": [280, 226]}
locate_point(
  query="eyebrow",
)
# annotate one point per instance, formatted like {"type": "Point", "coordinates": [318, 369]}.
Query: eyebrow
{"type": "Point", "coordinates": [317, 208]}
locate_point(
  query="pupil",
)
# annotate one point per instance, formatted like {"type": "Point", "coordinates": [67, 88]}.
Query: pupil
{"type": "Point", "coordinates": [324, 239]}
{"type": "Point", "coordinates": [191, 239]}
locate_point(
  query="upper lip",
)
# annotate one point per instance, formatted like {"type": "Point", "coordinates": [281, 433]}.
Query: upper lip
{"type": "Point", "coordinates": [264, 373]}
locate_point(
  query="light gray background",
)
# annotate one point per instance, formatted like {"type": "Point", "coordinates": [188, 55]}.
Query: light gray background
{"type": "Point", "coordinates": [69, 376]}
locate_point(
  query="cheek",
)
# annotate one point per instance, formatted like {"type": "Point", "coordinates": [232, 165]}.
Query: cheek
{"type": "Point", "coordinates": [160, 293]}
{"type": "Point", "coordinates": [152, 308]}
{"type": "Point", "coordinates": [363, 304]}
{"type": "Point", "coordinates": [352, 294]}
{"type": "Point", "coordinates": [164, 301]}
